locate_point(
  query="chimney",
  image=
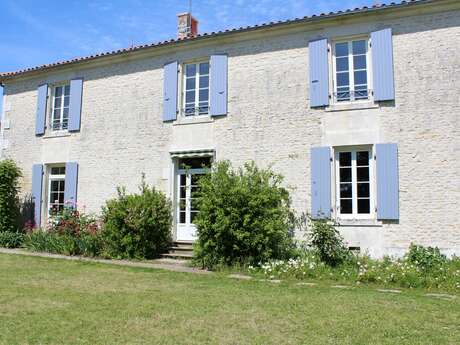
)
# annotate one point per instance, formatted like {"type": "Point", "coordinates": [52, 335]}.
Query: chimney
{"type": "Point", "coordinates": [187, 26]}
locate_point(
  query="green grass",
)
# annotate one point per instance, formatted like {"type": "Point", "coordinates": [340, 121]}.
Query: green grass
{"type": "Point", "coordinates": [49, 301]}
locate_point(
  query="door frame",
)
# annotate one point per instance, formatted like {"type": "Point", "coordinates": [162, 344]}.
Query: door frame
{"type": "Point", "coordinates": [174, 189]}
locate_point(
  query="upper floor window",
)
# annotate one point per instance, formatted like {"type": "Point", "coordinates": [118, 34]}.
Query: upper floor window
{"type": "Point", "coordinates": [351, 70]}
{"type": "Point", "coordinates": [196, 89]}
{"type": "Point", "coordinates": [60, 107]}
{"type": "Point", "coordinates": [354, 176]}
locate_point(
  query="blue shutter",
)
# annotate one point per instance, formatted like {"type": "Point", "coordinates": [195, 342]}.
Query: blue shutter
{"type": "Point", "coordinates": [76, 88]}
{"type": "Point", "coordinates": [71, 182]}
{"type": "Point", "coordinates": [41, 109]}
{"type": "Point", "coordinates": [382, 65]}
{"type": "Point", "coordinates": [321, 182]}
{"type": "Point", "coordinates": [37, 180]}
{"type": "Point", "coordinates": [319, 73]}
{"type": "Point", "coordinates": [387, 181]}
{"type": "Point", "coordinates": [218, 85]}
{"type": "Point", "coordinates": [170, 92]}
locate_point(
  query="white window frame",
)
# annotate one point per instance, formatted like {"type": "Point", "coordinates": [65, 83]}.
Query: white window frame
{"type": "Point", "coordinates": [52, 178]}
{"type": "Point", "coordinates": [333, 74]}
{"type": "Point", "coordinates": [52, 107]}
{"type": "Point", "coordinates": [197, 87]}
{"type": "Point", "coordinates": [372, 182]}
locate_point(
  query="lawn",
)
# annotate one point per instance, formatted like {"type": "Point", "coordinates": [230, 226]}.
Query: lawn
{"type": "Point", "coordinates": [50, 301]}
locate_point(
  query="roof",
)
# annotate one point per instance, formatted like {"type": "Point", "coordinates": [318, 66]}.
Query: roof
{"type": "Point", "coordinates": [379, 7]}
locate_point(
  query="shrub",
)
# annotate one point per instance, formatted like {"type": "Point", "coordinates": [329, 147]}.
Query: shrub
{"type": "Point", "coordinates": [10, 239]}
{"type": "Point", "coordinates": [328, 242]}
{"type": "Point", "coordinates": [69, 232]}
{"type": "Point", "coordinates": [137, 225]}
{"type": "Point", "coordinates": [244, 217]}
{"type": "Point", "coordinates": [9, 202]}
{"type": "Point", "coordinates": [425, 258]}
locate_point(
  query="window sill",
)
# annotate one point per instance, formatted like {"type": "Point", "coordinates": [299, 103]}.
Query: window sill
{"type": "Point", "coordinates": [352, 106]}
{"type": "Point", "coordinates": [181, 120]}
{"type": "Point", "coordinates": [56, 134]}
{"type": "Point", "coordinates": [359, 222]}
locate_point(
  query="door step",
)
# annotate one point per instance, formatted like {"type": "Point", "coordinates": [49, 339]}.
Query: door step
{"type": "Point", "coordinates": [180, 250]}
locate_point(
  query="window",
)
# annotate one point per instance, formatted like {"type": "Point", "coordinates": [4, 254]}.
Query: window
{"type": "Point", "coordinates": [354, 183]}
{"type": "Point", "coordinates": [56, 190]}
{"type": "Point", "coordinates": [196, 89]}
{"type": "Point", "coordinates": [351, 71]}
{"type": "Point", "coordinates": [60, 107]}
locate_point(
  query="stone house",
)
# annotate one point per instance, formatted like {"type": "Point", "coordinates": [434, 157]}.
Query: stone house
{"type": "Point", "coordinates": [359, 110]}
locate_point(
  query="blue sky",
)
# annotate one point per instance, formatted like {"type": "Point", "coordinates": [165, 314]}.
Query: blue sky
{"type": "Point", "coordinates": [39, 32]}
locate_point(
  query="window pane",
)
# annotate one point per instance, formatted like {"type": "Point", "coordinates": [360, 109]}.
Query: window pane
{"type": "Point", "coordinates": [341, 49]}
{"type": "Point", "coordinates": [346, 206]}
{"type": "Point", "coordinates": [359, 62]}
{"type": "Point", "coordinates": [182, 192]}
{"type": "Point", "coordinates": [189, 110]}
{"type": "Point", "coordinates": [196, 177]}
{"type": "Point", "coordinates": [195, 163]}
{"type": "Point", "coordinates": [65, 113]}
{"type": "Point", "coordinates": [363, 174]}
{"type": "Point", "coordinates": [360, 77]}
{"type": "Point", "coordinates": [363, 190]}
{"type": "Point", "coordinates": [190, 70]}
{"type": "Point", "coordinates": [362, 158]}
{"type": "Point", "coordinates": [61, 186]}
{"type": "Point", "coordinates": [346, 190]}
{"type": "Point", "coordinates": [61, 198]}
{"type": "Point", "coordinates": [67, 90]}
{"type": "Point", "coordinates": [204, 82]}
{"type": "Point", "coordinates": [66, 101]}
{"type": "Point", "coordinates": [343, 79]}
{"type": "Point", "coordinates": [345, 174]}
{"type": "Point", "coordinates": [343, 93]}
{"type": "Point", "coordinates": [57, 114]}
{"type": "Point", "coordinates": [58, 91]}
{"type": "Point", "coordinates": [57, 102]}
{"type": "Point", "coordinates": [204, 68]}
{"type": "Point", "coordinates": [364, 206]}
{"type": "Point", "coordinates": [345, 159]}
{"type": "Point", "coordinates": [359, 47]}
{"type": "Point", "coordinates": [204, 95]}
{"type": "Point", "coordinates": [342, 64]}
{"type": "Point", "coordinates": [190, 97]}
{"type": "Point", "coordinates": [190, 84]}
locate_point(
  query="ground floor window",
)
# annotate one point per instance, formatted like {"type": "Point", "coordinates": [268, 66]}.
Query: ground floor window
{"type": "Point", "coordinates": [56, 187]}
{"type": "Point", "coordinates": [188, 173]}
{"type": "Point", "coordinates": [354, 182]}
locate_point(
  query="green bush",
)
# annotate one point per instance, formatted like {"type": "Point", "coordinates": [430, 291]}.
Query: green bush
{"type": "Point", "coordinates": [137, 225]}
{"type": "Point", "coordinates": [244, 217]}
{"type": "Point", "coordinates": [328, 243]}
{"type": "Point", "coordinates": [425, 258]}
{"type": "Point", "coordinates": [9, 201]}
{"type": "Point", "coordinates": [10, 239]}
{"type": "Point", "coordinates": [70, 233]}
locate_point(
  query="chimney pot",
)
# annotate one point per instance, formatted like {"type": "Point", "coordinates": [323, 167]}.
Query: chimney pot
{"type": "Point", "coordinates": [187, 26]}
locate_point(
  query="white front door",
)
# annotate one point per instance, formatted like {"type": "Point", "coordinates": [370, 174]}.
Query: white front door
{"type": "Point", "coordinates": [187, 186]}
